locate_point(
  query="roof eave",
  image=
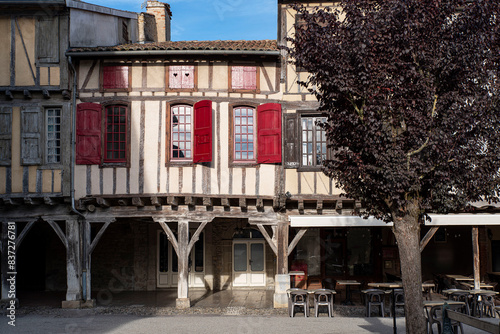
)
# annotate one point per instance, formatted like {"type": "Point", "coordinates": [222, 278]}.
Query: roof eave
{"type": "Point", "coordinates": [127, 53]}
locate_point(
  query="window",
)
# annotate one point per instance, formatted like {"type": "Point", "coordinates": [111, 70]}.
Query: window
{"type": "Point", "coordinates": [115, 78]}
{"type": "Point", "coordinates": [116, 134]}
{"type": "Point", "coordinates": [255, 134]}
{"type": "Point", "coordinates": [53, 135]}
{"type": "Point", "coordinates": [189, 137]}
{"type": "Point", "coordinates": [244, 134]}
{"type": "Point", "coordinates": [114, 149]}
{"type": "Point", "coordinates": [181, 148]}
{"type": "Point", "coordinates": [181, 77]}
{"type": "Point", "coordinates": [313, 142]}
{"type": "Point", "coordinates": [244, 79]}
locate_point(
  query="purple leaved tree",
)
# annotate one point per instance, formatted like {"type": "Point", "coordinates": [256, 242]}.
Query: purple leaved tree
{"type": "Point", "coordinates": [410, 89]}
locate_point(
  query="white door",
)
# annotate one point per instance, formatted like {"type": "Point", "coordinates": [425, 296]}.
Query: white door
{"type": "Point", "coordinates": [167, 270]}
{"type": "Point", "coordinates": [249, 263]}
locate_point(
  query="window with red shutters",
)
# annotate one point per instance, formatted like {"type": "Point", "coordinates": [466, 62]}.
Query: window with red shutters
{"type": "Point", "coordinates": [244, 78]}
{"type": "Point", "coordinates": [180, 133]}
{"type": "Point", "coordinates": [269, 133]}
{"type": "Point", "coordinates": [88, 134]}
{"type": "Point", "coordinates": [202, 148]}
{"type": "Point", "coordinates": [243, 134]}
{"type": "Point", "coordinates": [181, 77]}
{"type": "Point", "coordinates": [116, 134]}
{"type": "Point", "coordinates": [115, 77]}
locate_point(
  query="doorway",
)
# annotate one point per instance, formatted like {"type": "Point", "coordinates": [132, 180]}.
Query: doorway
{"type": "Point", "coordinates": [249, 263]}
{"type": "Point", "coordinates": [167, 263]}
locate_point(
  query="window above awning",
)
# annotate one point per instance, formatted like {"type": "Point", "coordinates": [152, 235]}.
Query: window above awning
{"type": "Point", "coordinates": [335, 221]}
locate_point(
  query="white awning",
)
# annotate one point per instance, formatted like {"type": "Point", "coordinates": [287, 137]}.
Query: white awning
{"type": "Point", "coordinates": [466, 219]}
{"type": "Point", "coordinates": [335, 221]}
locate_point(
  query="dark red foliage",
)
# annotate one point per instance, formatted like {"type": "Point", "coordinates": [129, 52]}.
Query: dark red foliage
{"type": "Point", "coordinates": [411, 93]}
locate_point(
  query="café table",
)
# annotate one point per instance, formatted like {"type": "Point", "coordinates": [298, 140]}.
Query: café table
{"type": "Point", "coordinates": [481, 285]}
{"type": "Point", "coordinates": [460, 278]}
{"type": "Point", "coordinates": [480, 298]}
{"type": "Point", "coordinates": [348, 284]}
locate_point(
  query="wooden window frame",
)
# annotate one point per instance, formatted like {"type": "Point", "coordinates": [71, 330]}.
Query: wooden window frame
{"type": "Point", "coordinates": [46, 134]}
{"type": "Point", "coordinates": [101, 78]}
{"type": "Point", "coordinates": [167, 78]}
{"type": "Point", "coordinates": [241, 163]}
{"type": "Point", "coordinates": [168, 135]}
{"type": "Point", "coordinates": [126, 162]}
{"type": "Point", "coordinates": [257, 78]}
{"type": "Point", "coordinates": [301, 115]}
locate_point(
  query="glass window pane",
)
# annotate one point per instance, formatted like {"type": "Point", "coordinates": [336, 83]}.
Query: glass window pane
{"type": "Point", "coordinates": [240, 257]}
{"type": "Point", "coordinates": [257, 257]}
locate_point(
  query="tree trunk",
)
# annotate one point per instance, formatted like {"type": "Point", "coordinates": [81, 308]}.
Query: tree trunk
{"type": "Point", "coordinates": [407, 232]}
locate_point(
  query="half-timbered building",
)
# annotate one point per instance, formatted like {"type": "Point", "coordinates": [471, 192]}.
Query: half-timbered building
{"type": "Point", "coordinates": [128, 159]}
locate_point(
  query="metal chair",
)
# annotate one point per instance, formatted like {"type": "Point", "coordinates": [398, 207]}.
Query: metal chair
{"type": "Point", "coordinates": [374, 297]}
{"type": "Point", "coordinates": [484, 304]}
{"type": "Point", "coordinates": [297, 298]}
{"type": "Point", "coordinates": [399, 300]}
{"type": "Point", "coordinates": [323, 297]}
{"type": "Point", "coordinates": [460, 296]}
{"type": "Point", "coordinates": [435, 316]}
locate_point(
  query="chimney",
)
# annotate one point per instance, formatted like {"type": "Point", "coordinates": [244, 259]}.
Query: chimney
{"type": "Point", "coordinates": [161, 12]}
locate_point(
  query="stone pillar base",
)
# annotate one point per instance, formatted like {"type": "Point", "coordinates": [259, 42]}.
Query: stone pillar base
{"type": "Point", "coordinates": [71, 304]}
{"type": "Point", "coordinates": [281, 284]}
{"type": "Point", "coordinates": [89, 303]}
{"type": "Point", "coordinates": [183, 303]}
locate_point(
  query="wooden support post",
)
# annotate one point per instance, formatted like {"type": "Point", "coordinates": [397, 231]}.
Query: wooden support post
{"type": "Point", "coordinates": [282, 280]}
{"type": "Point", "coordinates": [73, 264]}
{"type": "Point", "coordinates": [338, 205]}
{"type": "Point", "coordinates": [225, 202]}
{"type": "Point", "coordinates": [296, 240]}
{"type": "Point", "coordinates": [475, 252]}
{"type": "Point", "coordinates": [155, 201]}
{"type": "Point", "coordinates": [89, 246]}
{"type": "Point", "coordinates": [183, 265]}
{"type": "Point", "coordinates": [171, 200]}
{"type": "Point", "coordinates": [259, 204]}
{"type": "Point", "coordinates": [300, 204]}
{"type": "Point", "coordinates": [207, 201]}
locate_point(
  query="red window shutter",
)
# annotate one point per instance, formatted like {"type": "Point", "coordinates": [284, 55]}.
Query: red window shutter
{"type": "Point", "coordinates": [88, 134]}
{"type": "Point", "coordinates": [202, 144]}
{"type": "Point", "coordinates": [115, 77]}
{"type": "Point", "coordinates": [269, 133]}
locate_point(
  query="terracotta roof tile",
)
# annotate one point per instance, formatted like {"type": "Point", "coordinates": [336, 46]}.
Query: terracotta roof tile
{"type": "Point", "coordinates": [260, 45]}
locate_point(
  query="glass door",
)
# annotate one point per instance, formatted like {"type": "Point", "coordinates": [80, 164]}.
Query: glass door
{"type": "Point", "coordinates": [249, 266]}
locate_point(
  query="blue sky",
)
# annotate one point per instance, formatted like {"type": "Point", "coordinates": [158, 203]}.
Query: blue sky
{"type": "Point", "coordinates": [213, 19]}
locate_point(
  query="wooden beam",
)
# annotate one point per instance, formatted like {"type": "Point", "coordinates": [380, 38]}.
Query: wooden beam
{"type": "Point", "coordinates": [474, 322]}
{"type": "Point", "coordinates": [137, 201]}
{"type": "Point", "coordinates": [300, 204]}
{"type": "Point", "coordinates": [59, 232]}
{"type": "Point", "coordinates": [170, 235]}
{"type": "Point", "coordinates": [9, 95]}
{"type": "Point", "coordinates": [48, 201]}
{"type": "Point", "coordinates": [189, 200]}
{"type": "Point", "coordinates": [243, 202]}
{"type": "Point", "coordinates": [27, 94]}
{"type": "Point", "coordinates": [207, 201]}
{"type": "Point", "coordinates": [196, 236]}
{"type": "Point", "coordinates": [271, 243]}
{"type": "Point", "coordinates": [319, 205]}
{"type": "Point", "coordinates": [98, 236]}
{"type": "Point", "coordinates": [338, 205]}
{"type": "Point", "coordinates": [225, 202]}
{"type": "Point", "coordinates": [428, 236]}
{"type": "Point", "coordinates": [172, 200]}
{"type": "Point", "coordinates": [259, 204]}
{"type": "Point", "coordinates": [25, 230]}
{"type": "Point", "coordinates": [296, 240]}
{"type": "Point", "coordinates": [46, 94]}
{"type": "Point", "coordinates": [103, 202]}
{"type": "Point", "coordinates": [357, 204]}
{"type": "Point", "coordinates": [123, 201]}
{"type": "Point", "coordinates": [156, 201]}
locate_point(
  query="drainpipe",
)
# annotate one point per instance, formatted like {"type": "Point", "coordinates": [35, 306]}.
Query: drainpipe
{"type": "Point", "coordinates": [72, 167]}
